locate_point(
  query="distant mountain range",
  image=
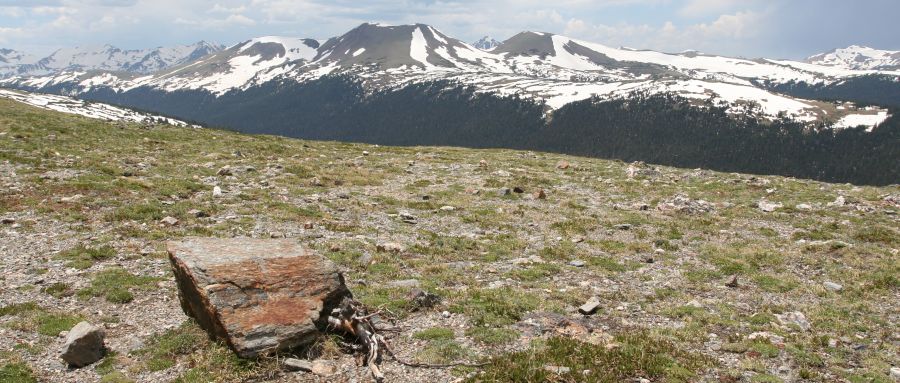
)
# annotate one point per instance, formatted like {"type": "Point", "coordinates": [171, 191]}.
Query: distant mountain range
{"type": "Point", "coordinates": [104, 58]}
{"type": "Point", "coordinates": [553, 69]}
{"type": "Point", "coordinates": [414, 85]}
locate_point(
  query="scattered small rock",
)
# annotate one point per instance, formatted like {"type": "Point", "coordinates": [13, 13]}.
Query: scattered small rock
{"type": "Point", "coordinates": [590, 306]}
{"type": "Point", "coordinates": [447, 208]}
{"type": "Point", "coordinates": [838, 202]}
{"type": "Point", "coordinates": [422, 299]}
{"type": "Point", "coordinates": [733, 282]}
{"type": "Point", "coordinates": [695, 303]}
{"type": "Point", "coordinates": [308, 225]}
{"type": "Point", "coordinates": [83, 345]}
{"type": "Point", "coordinates": [7, 220]}
{"type": "Point", "coordinates": [405, 283]}
{"type": "Point", "coordinates": [560, 370]}
{"type": "Point", "coordinates": [74, 198]}
{"type": "Point", "coordinates": [562, 165]}
{"type": "Point", "coordinates": [408, 218]}
{"type": "Point", "coordinates": [833, 286]}
{"type": "Point", "coordinates": [623, 226]}
{"type": "Point", "coordinates": [217, 192]}
{"type": "Point", "coordinates": [504, 192]}
{"type": "Point", "coordinates": [169, 221]}
{"type": "Point", "coordinates": [895, 373]}
{"type": "Point", "coordinates": [794, 318]}
{"type": "Point", "coordinates": [518, 190]}
{"type": "Point", "coordinates": [539, 194]}
{"type": "Point", "coordinates": [768, 206]}
{"type": "Point", "coordinates": [294, 364]}
{"type": "Point", "coordinates": [390, 247]}
{"type": "Point", "coordinates": [318, 367]}
{"type": "Point", "coordinates": [198, 213]}
{"type": "Point", "coordinates": [683, 204]}
{"type": "Point", "coordinates": [225, 171]}
{"type": "Point", "coordinates": [576, 263]}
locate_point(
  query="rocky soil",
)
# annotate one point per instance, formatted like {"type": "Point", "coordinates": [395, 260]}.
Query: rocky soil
{"type": "Point", "coordinates": [659, 274]}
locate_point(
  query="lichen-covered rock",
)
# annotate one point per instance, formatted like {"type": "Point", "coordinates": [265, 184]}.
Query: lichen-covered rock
{"type": "Point", "coordinates": [84, 345]}
{"type": "Point", "coordinates": [258, 295]}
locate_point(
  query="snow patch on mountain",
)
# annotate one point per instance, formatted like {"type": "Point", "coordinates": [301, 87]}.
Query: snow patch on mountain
{"type": "Point", "coordinates": [869, 120]}
{"type": "Point", "coordinates": [88, 109]}
{"type": "Point", "coordinates": [418, 48]}
{"type": "Point", "coordinates": [857, 57]}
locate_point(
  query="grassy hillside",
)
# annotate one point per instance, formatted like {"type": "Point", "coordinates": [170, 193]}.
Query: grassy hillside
{"type": "Point", "coordinates": [84, 203]}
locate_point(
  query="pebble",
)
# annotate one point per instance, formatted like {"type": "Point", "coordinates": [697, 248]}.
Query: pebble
{"type": "Point", "coordinates": [768, 206]}
{"type": "Point", "coordinates": [404, 283]}
{"type": "Point", "coordinates": [445, 314]}
{"type": "Point", "coordinates": [576, 263]}
{"type": "Point", "coordinates": [169, 221]}
{"type": "Point", "coordinates": [833, 286]}
{"type": "Point", "coordinates": [217, 191]}
{"type": "Point", "coordinates": [557, 369]}
{"type": "Point", "coordinates": [590, 306]}
{"type": "Point", "coordinates": [895, 373]}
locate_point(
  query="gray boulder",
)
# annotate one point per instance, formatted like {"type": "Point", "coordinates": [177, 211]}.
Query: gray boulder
{"type": "Point", "coordinates": [84, 345]}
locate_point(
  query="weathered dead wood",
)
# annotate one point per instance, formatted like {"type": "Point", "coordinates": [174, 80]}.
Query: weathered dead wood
{"type": "Point", "coordinates": [352, 318]}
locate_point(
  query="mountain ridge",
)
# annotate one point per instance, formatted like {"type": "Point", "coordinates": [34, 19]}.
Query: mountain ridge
{"type": "Point", "coordinates": [553, 69]}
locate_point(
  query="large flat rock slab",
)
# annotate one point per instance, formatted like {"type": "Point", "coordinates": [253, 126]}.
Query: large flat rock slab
{"type": "Point", "coordinates": [257, 295]}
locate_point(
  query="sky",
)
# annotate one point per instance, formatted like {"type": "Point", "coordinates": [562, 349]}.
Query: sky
{"type": "Point", "coordinates": [790, 29]}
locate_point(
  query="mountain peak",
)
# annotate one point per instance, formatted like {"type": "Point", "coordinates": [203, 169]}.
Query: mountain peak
{"type": "Point", "coordinates": [858, 57]}
{"type": "Point", "coordinates": [486, 43]}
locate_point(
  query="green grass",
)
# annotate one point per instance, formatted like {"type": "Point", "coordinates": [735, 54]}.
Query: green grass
{"type": "Point", "coordinates": [492, 336]}
{"type": "Point", "coordinates": [116, 285]}
{"type": "Point", "coordinates": [163, 350]}
{"type": "Point", "coordinates": [496, 307]}
{"type": "Point", "coordinates": [82, 257]}
{"type": "Point", "coordinates": [58, 290]}
{"type": "Point", "coordinates": [637, 355]}
{"type": "Point", "coordinates": [33, 318]}
{"type": "Point", "coordinates": [438, 351]}
{"type": "Point", "coordinates": [435, 333]}
{"type": "Point", "coordinates": [16, 373]}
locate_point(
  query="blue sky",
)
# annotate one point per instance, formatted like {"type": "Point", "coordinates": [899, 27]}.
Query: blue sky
{"type": "Point", "coordinates": [750, 28]}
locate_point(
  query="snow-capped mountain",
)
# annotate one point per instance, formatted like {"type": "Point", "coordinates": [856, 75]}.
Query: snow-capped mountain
{"type": "Point", "coordinates": [857, 57]}
{"type": "Point", "coordinates": [486, 43]}
{"type": "Point", "coordinates": [110, 58]}
{"type": "Point", "coordinates": [554, 69]}
{"type": "Point", "coordinates": [233, 67]}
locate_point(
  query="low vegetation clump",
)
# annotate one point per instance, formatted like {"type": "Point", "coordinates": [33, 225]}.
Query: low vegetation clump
{"type": "Point", "coordinates": [116, 285]}
{"type": "Point", "coordinates": [634, 355]}
{"type": "Point", "coordinates": [82, 257]}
